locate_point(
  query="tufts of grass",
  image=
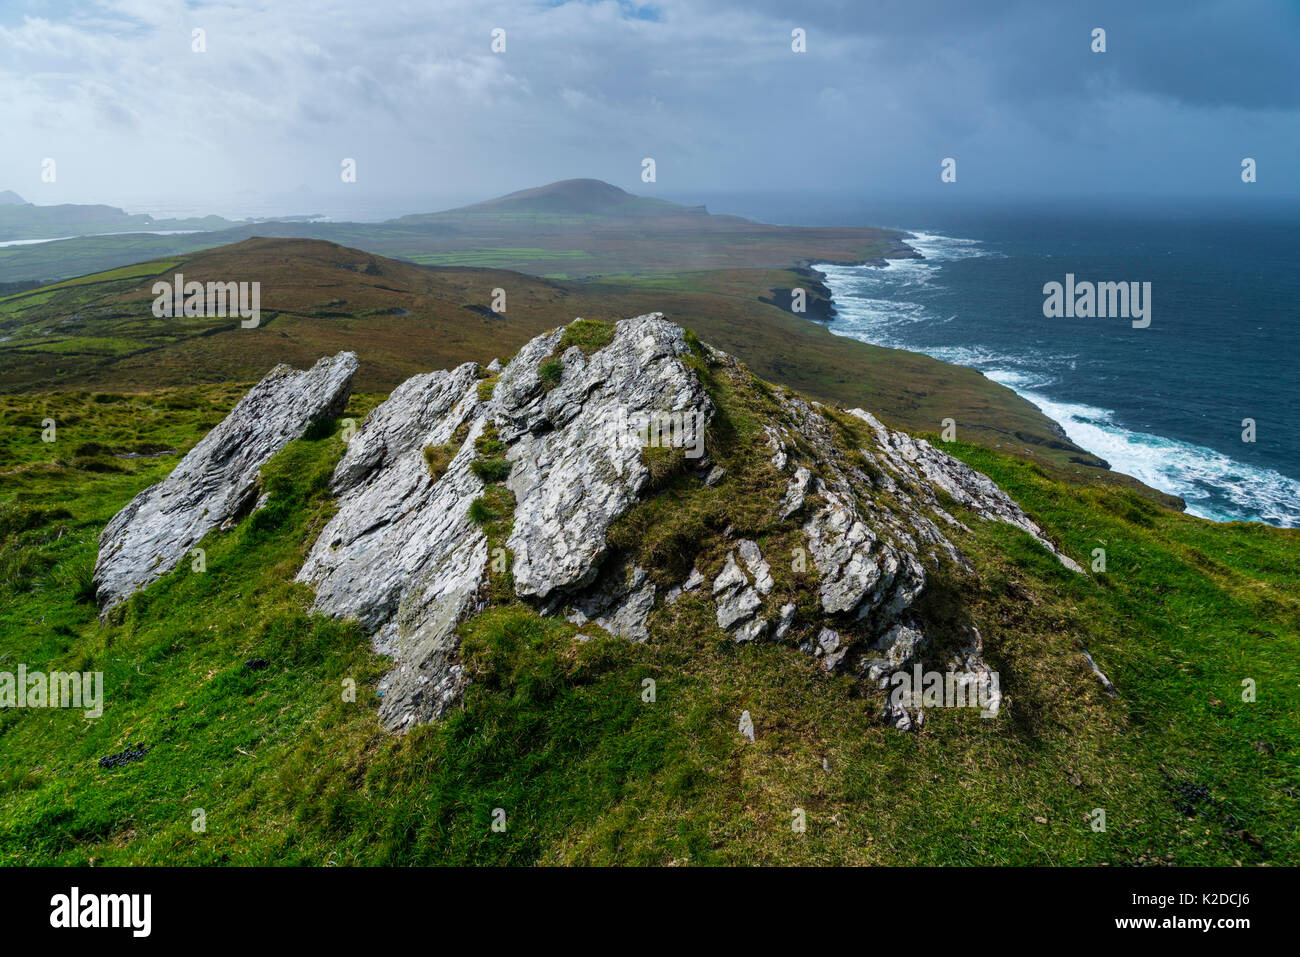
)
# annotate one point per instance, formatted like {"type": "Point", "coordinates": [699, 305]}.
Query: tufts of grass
{"type": "Point", "coordinates": [561, 734]}
{"type": "Point", "coordinates": [589, 335]}
{"type": "Point", "coordinates": [438, 457]}
{"type": "Point", "coordinates": [551, 372]}
{"type": "Point", "coordinates": [664, 464]}
{"type": "Point", "coordinates": [491, 470]}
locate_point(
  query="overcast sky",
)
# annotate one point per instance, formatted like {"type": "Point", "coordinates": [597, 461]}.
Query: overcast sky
{"type": "Point", "coordinates": [712, 90]}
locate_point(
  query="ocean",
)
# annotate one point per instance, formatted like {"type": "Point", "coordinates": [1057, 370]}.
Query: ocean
{"type": "Point", "coordinates": [1166, 403]}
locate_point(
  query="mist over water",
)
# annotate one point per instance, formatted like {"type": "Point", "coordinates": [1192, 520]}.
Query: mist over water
{"type": "Point", "coordinates": [1164, 404]}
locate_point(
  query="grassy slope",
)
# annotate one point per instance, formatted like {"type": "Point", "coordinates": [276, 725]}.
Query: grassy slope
{"type": "Point", "coordinates": [556, 733]}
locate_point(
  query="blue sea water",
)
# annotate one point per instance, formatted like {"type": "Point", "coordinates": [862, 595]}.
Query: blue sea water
{"type": "Point", "coordinates": [1164, 404]}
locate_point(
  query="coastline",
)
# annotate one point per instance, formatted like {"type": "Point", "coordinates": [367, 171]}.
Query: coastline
{"type": "Point", "coordinates": [820, 302]}
{"type": "Point", "coordinates": [820, 283]}
{"type": "Point", "coordinates": [1197, 479]}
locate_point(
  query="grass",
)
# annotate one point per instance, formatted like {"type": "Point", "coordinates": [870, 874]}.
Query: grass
{"type": "Point", "coordinates": [587, 335]}
{"type": "Point", "coordinates": [438, 457]}
{"type": "Point", "coordinates": [551, 372]}
{"type": "Point", "coordinates": [404, 319]}
{"type": "Point", "coordinates": [558, 732]}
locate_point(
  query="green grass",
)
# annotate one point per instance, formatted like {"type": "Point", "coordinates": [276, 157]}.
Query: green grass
{"type": "Point", "coordinates": [551, 372]}
{"type": "Point", "coordinates": [557, 731]}
{"type": "Point", "coordinates": [587, 334]}
{"type": "Point", "coordinates": [503, 257]}
{"type": "Point", "coordinates": [491, 470]}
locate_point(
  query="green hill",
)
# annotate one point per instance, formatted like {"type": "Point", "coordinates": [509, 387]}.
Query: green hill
{"type": "Point", "coordinates": [227, 705]}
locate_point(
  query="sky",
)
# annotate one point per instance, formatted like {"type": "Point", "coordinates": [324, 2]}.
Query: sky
{"type": "Point", "coordinates": [261, 120]}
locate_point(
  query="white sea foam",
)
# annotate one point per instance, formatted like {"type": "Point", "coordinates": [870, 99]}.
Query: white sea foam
{"type": "Point", "coordinates": [1201, 476]}
{"type": "Point", "coordinates": [1214, 485]}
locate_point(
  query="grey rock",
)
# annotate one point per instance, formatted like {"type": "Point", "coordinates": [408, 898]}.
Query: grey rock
{"type": "Point", "coordinates": [759, 568]}
{"type": "Point", "coordinates": [736, 599]}
{"type": "Point", "coordinates": [621, 604]}
{"type": "Point", "coordinates": [216, 482]}
{"type": "Point", "coordinates": [896, 649]}
{"type": "Point", "coordinates": [1100, 675]}
{"type": "Point", "coordinates": [693, 581]}
{"type": "Point", "coordinates": [401, 555]}
{"type": "Point", "coordinates": [830, 649]}
{"type": "Point", "coordinates": [924, 467]}
{"type": "Point", "coordinates": [576, 467]}
{"type": "Point", "coordinates": [784, 622]}
{"type": "Point", "coordinates": [796, 492]}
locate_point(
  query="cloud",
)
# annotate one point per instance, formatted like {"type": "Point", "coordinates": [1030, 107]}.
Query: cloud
{"type": "Point", "coordinates": [710, 88]}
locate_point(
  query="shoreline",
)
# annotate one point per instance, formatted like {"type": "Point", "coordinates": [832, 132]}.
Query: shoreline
{"type": "Point", "coordinates": [1077, 424]}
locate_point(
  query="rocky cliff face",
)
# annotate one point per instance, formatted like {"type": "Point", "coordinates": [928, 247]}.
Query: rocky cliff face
{"type": "Point", "coordinates": [216, 481]}
{"type": "Point", "coordinates": [818, 528]}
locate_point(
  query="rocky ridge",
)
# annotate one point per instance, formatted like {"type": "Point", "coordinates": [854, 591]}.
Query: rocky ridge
{"type": "Point", "coordinates": [408, 555]}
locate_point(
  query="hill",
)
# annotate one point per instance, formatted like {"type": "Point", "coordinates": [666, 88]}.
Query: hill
{"type": "Point", "coordinates": [245, 692]}
{"type": "Point", "coordinates": [9, 198]}
{"type": "Point", "coordinates": [575, 229]}
{"type": "Point", "coordinates": [570, 197]}
{"type": "Point", "coordinates": [20, 220]}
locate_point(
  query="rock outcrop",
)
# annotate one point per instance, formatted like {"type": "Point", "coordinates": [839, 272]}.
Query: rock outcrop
{"type": "Point", "coordinates": [402, 554]}
{"type": "Point", "coordinates": [560, 434]}
{"type": "Point", "coordinates": [217, 480]}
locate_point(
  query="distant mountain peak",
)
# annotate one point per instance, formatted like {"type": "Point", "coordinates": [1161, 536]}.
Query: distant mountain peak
{"type": "Point", "coordinates": [576, 193]}
{"type": "Point", "coordinates": [9, 198]}
{"type": "Point", "coordinates": [578, 197]}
